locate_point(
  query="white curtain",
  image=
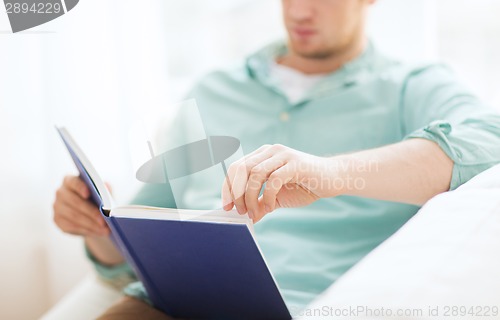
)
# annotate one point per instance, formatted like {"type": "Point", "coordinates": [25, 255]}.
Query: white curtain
{"type": "Point", "coordinates": [99, 68]}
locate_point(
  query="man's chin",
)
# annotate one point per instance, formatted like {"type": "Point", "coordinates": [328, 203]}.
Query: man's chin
{"type": "Point", "coordinates": [313, 54]}
{"type": "Point", "coordinates": [310, 51]}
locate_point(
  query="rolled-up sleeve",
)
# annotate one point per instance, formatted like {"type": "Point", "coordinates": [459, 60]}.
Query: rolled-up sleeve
{"type": "Point", "coordinates": [436, 107]}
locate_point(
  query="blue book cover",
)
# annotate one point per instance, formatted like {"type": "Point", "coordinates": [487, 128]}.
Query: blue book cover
{"type": "Point", "coordinates": [194, 264]}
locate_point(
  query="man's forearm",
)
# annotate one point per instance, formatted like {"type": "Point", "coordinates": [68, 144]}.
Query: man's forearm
{"type": "Point", "coordinates": [104, 251]}
{"type": "Point", "coordinates": [412, 171]}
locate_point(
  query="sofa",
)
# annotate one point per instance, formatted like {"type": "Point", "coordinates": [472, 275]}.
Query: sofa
{"type": "Point", "coordinates": [443, 263]}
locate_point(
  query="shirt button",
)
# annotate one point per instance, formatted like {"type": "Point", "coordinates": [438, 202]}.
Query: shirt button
{"type": "Point", "coordinates": [284, 116]}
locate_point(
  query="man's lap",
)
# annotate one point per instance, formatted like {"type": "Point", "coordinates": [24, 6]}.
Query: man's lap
{"type": "Point", "coordinates": [129, 308]}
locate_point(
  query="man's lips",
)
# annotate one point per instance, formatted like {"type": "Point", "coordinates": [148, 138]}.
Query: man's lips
{"type": "Point", "coordinates": [303, 32]}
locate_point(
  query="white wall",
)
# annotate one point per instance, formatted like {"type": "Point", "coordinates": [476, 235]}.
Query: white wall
{"type": "Point", "coordinates": [106, 63]}
{"type": "Point", "coordinates": [405, 29]}
{"type": "Point", "coordinates": [469, 34]}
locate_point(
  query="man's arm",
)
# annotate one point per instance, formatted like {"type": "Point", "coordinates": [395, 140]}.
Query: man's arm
{"type": "Point", "coordinates": [103, 250]}
{"type": "Point", "coordinates": [412, 171]}
{"type": "Point", "coordinates": [449, 137]}
{"type": "Point", "coordinates": [435, 106]}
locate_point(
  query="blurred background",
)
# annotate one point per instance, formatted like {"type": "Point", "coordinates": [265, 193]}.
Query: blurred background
{"type": "Point", "coordinates": [105, 64]}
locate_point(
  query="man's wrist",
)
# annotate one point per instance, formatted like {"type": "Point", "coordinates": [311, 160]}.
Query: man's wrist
{"type": "Point", "coordinates": [343, 175]}
{"type": "Point", "coordinates": [103, 250]}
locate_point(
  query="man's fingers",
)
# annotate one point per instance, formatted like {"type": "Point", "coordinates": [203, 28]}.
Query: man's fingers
{"type": "Point", "coordinates": [83, 221]}
{"type": "Point", "coordinates": [227, 202]}
{"type": "Point", "coordinates": [260, 213]}
{"type": "Point", "coordinates": [238, 185]}
{"type": "Point", "coordinates": [275, 182]}
{"type": "Point", "coordinates": [227, 198]}
{"type": "Point", "coordinates": [75, 209]}
{"type": "Point", "coordinates": [256, 159]}
{"type": "Point", "coordinates": [75, 184]}
{"type": "Point", "coordinates": [241, 174]}
{"type": "Point", "coordinates": [74, 214]}
{"type": "Point", "coordinates": [231, 172]}
{"type": "Point", "coordinates": [262, 149]}
{"type": "Point", "coordinates": [259, 175]}
{"type": "Point", "coordinates": [235, 184]}
{"type": "Point", "coordinates": [72, 228]}
{"type": "Point", "coordinates": [80, 205]}
{"type": "Point", "coordinates": [75, 223]}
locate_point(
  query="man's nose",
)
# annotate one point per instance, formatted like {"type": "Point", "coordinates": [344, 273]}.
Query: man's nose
{"type": "Point", "coordinates": [300, 9]}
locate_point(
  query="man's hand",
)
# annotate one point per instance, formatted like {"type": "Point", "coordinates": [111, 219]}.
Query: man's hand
{"type": "Point", "coordinates": [292, 179]}
{"type": "Point", "coordinates": [411, 171]}
{"type": "Point", "coordinates": [74, 213]}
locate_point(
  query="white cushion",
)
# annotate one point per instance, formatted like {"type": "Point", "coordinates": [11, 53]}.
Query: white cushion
{"type": "Point", "coordinates": [86, 301]}
{"type": "Point", "coordinates": [487, 179]}
{"type": "Point", "coordinates": [447, 255]}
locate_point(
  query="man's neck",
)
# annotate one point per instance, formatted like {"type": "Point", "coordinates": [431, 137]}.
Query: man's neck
{"type": "Point", "coordinates": [324, 65]}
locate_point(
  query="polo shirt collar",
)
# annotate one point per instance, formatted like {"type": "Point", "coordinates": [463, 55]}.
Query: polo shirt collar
{"type": "Point", "coordinates": [350, 74]}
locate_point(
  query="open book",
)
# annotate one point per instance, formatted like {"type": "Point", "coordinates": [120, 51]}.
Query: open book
{"type": "Point", "coordinates": [194, 264]}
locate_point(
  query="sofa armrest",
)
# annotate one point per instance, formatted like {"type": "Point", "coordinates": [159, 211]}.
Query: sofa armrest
{"type": "Point", "coordinates": [447, 255]}
{"type": "Point", "coordinates": [89, 299]}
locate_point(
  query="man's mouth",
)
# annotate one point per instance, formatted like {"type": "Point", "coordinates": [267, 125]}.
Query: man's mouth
{"type": "Point", "coordinates": [303, 33]}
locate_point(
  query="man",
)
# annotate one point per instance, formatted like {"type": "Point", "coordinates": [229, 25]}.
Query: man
{"type": "Point", "coordinates": [304, 112]}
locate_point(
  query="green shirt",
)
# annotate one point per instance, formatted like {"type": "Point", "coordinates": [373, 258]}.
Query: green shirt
{"type": "Point", "coordinates": [369, 102]}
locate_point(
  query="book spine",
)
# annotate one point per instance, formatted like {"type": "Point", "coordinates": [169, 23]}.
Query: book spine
{"type": "Point", "coordinates": [129, 255]}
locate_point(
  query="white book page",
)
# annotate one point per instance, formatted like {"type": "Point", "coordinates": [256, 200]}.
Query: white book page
{"type": "Point", "coordinates": [106, 197]}
{"type": "Point", "coordinates": [156, 213]}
